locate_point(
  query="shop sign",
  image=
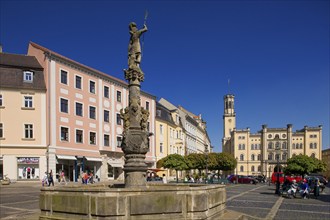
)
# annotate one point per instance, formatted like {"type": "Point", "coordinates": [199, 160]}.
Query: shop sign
{"type": "Point", "coordinates": [28, 160]}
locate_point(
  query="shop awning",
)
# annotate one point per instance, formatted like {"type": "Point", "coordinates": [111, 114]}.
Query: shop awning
{"type": "Point", "coordinates": [66, 157]}
{"type": "Point", "coordinates": [94, 159]}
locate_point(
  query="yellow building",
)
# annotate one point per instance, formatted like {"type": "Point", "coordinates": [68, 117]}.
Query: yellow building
{"type": "Point", "coordinates": [22, 118]}
{"type": "Point", "coordinates": [257, 153]}
{"type": "Point", "coordinates": [169, 134]}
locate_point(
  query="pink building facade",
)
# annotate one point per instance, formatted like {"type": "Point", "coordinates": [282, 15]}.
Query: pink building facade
{"type": "Point", "coordinates": [83, 126]}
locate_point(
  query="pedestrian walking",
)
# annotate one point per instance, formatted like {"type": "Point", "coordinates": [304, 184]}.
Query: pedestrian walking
{"type": "Point", "coordinates": [50, 178]}
{"type": "Point", "coordinates": [45, 180]}
{"type": "Point", "coordinates": [62, 177]}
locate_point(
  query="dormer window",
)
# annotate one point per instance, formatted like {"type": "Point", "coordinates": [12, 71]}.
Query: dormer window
{"type": "Point", "coordinates": [28, 76]}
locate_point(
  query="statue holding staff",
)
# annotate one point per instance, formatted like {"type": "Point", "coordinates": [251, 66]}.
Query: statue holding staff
{"type": "Point", "coordinates": [134, 47]}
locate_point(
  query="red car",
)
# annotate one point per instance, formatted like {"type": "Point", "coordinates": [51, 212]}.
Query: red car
{"type": "Point", "coordinates": [243, 179]}
{"type": "Point", "coordinates": [282, 177]}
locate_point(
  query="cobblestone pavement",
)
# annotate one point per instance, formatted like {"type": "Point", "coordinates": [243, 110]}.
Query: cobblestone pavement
{"type": "Point", "coordinates": [21, 201]}
{"type": "Point", "coordinates": [260, 202]}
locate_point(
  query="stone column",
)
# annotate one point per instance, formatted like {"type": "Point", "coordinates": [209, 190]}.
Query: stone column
{"type": "Point", "coordinates": [264, 157]}
{"type": "Point", "coordinates": [135, 143]}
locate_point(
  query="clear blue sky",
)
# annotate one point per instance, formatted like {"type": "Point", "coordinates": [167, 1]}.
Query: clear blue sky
{"type": "Point", "coordinates": [275, 53]}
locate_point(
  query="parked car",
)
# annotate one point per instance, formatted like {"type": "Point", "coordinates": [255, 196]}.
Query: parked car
{"type": "Point", "coordinates": [261, 178]}
{"type": "Point", "coordinates": [282, 177]}
{"type": "Point", "coordinates": [216, 179]}
{"type": "Point", "coordinates": [242, 179]}
{"type": "Point", "coordinates": [320, 177]}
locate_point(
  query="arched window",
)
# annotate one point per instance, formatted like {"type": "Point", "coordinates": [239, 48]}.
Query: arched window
{"type": "Point", "coordinates": [252, 168]}
{"type": "Point", "coordinates": [243, 146]}
{"type": "Point", "coordinates": [241, 157]}
{"type": "Point", "coordinates": [284, 156]}
{"type": "Point", "coordinates": [293, 146]}
{"type": "Point", "coordinates": [311, 145]}
{"type": "Point", "coordinates": [252, 146]}
{"type": "Point", "coordinates": [315, 145]}
{"type": "Point", "coordinates": [270, 145]}
{"type": "Point", "coordinates": [239, 147]}
{"type": "Point", "coordinates": [277, 156]}
{"type": "Point", "coordinates": [313, 155]}
{"type": "Point", "coordinates": [301, 146]}
{"type": "Point", "coordinates": [242, 169]}
{"type": "Point", "coordinates": [284, 145]}
{"type": "Point", "coordinates": [259, 168]}
{"type": "Point", "coordinates": [259, 156]}
{"type": "Point", "coordinates": [277, 145]}
{"type": "Point", "coordinates": [277, 136]}
{"type": "Point", "coordinates": [252, 157]}
{"type": "Point", "coordinates": [270, 156]}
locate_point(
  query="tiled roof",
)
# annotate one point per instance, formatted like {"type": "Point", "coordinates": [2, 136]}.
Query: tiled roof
{"type": "Point", "coordinates": [16, 60]}
{"type": "Point", "coordinates": [12, 67]}
{"type": "Point", "coordinates": [165, 114]}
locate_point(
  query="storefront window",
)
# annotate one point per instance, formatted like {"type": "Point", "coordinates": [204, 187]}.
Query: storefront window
{"type": "Point", "coordinates": [28, 167]}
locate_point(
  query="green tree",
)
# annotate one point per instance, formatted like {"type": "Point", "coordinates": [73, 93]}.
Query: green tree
{"type": "Point", "coordinates": [196, 161]}
{"type": "Point", "coordinates": [175, 162]}
{"type": "Point", "coordinates": [303, 164]}
{"type": "Point", "coordinates": [221, 161]}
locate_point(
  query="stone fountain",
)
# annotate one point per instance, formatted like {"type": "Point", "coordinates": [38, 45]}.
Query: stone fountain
{"type": "Point", "coordinates": [135, 199]}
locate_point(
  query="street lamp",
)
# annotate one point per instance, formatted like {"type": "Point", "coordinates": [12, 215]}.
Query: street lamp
{"type": "Point", "coordinates": [206, 168]}
{"type": "Point", "coordinates": [278, 151]}
{"type": "Point", "coordinates": [236, 170]}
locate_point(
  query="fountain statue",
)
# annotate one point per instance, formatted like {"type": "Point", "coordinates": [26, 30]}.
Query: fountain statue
{"type": "Point", "coordinates": [135, 143]}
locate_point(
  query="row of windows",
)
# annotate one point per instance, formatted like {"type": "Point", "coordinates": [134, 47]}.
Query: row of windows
{"type": "Point", "coordinates": [270, 156]}
{"type": "Point", "coordinates": [241, 147]}
{"type": "Point", "coordinates": [312, 155]}
{"type": "Point", "coordinates": [92, 85]}
{"type": "Point", "coordinates": [297, 146]}
{"type": "Point", "coordinates": [277, 136]}
{"type": "Point", "coordinates": [277, 156]}
{"type": "Point", "coordinates": [255, 146]}
{"type": "Point", "coordinates": [92, 111]}
{"type": "Point", "coordinates": [79, 137]}
{"type": "Point", "coordinates": [277, 145]}
{"type": "Point", "coordinates": [241, 169]}
{"type": "Point", "coordinates": [313, 145]}
{"type": "Point", "coordinates": [27, 101]}
{"type": "Point", "coordinates": [28, 131]}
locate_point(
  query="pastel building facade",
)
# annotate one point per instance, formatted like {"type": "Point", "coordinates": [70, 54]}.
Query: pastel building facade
{"type": "Point", "coordinates": [23, 143]}
{"type": "Point", "coordinates": [83, 124]}
{"type": "Point", "coordinates": [257, 153]}
{"type": "Point", "coordinates": [169, 134]}
{"type": "Point", "coordinates": [194, 131]}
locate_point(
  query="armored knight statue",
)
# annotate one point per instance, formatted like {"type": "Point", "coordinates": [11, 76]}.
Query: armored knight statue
{"type": "Point", "coordinates": [134, 47]}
